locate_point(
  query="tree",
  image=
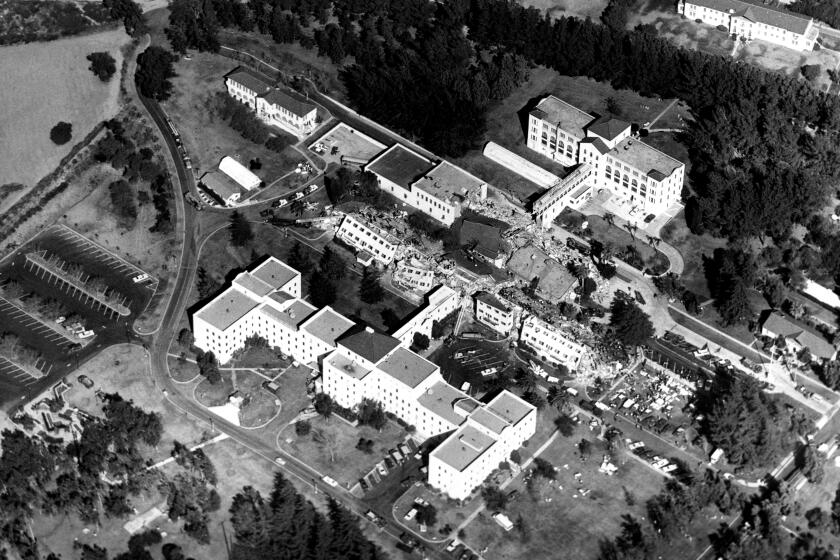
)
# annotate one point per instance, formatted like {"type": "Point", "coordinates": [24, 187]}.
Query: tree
{"type": "Point", "coordinates": [185, 338]}
{"type": "Point", "coordinates": [303, 428]}
{"type": "Point", "coordinates": [559, 398]}
{"type": "Point", "coordinates": [544, 469]}
{"type": "Point", "coordinates": [632, 325]}
{"type": "Point", "coordinates": [208, 367]}
{"type": "Point", "coordinates": [811, 71]}
{"type": "Point", "coordinates": [810, 464]}
{"type": "Point", "coordinates": [322, 290]}
{"type": "Point", "coordinates": [323, 404]}
{"type": "Point", "coordinates": [370, 288]}
{"type": "Point", "coordinates": [61, 133]}
{"type": "Point", "coordinates": [298, 259]}
{"type": "Point", "coordinates": [372, 414]}
{"type": "Point", "coordinates": [565, 425]}
{"type": "Point", "coordinates": [240, 229]}
{"type": "Point", "coordinates": [192, 24]}
{"type": "Point", "coordinates": [427, 515]}
{"type": "Point", "coordinates": [534, 398]}
{"type": "Point", "coordinates": [102, 65]}
{"type": "Point", "coordinates": [331, 265]}
{"type": "Point", "coordinates": [154, 70]}
{"type": "Point", "coordinates": [734, 307]}
{"type": "Point", "coordinates": [494, 498]}
{"type": "Point", "coordinates": [584, 448]}
{"type": "Point", "coordinates": [420, 341]}
{"type": "Point", "coordinates": [130, 13]}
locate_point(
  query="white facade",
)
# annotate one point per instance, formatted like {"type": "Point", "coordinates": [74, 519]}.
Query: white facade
{"type": "Point", "coordinates": [245, 85]}
{"type": "Point", "coordinates": [493, 313]}
{"type": "Point", "coordinates": [440, 191]}
{"type": "Point", "coordinates": [414, 277]}
{"type": "Point", "coordinates": [550, 344]}
{"type": "Point", "coordinates": [751, 21]}
{"type": "Point", "coordinates": [440, 302]}
{"type": "Point", "coordinates": [647, 179]}
{"type": "Point", "coordinates": [239, 173]}
{"type": "Point", "coordinates": [381, 245]}
{"type": "Point", "coordinates": [361, 363]}
{"type": "Point", "coordinates": [280, 109]}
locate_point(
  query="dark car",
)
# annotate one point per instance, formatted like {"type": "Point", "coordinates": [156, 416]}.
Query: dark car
{"type": "Point", "coordinates": [649, 218]}
{"type": "Point", "coordinates": [639, 297]}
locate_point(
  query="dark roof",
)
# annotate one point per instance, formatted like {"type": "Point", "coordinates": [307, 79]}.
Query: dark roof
{"type": "Point", "coordinates": [598, 143]}
{"type": "Point", "coordinates": [250, 79]}
{"type": "Point", "coordinates": [608, 128]}
{"type": "Point", "coordinates": [283, 99]}
{"type": "Point", "coordinates": [810, 338]}
{"type": "Point", "coordinates": [400, 165]}
{"type": "Point", "coordinates": [759, 13]}
{"type": "Point", "coordinates": [489, 238]}
{"type": "Point", "coordinates": [369, 344]}
{"type": "Point", "coordinates": [492, 300]}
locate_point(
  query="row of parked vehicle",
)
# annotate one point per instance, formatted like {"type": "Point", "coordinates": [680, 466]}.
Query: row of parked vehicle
{"type": "Point", "coordinates": [281, 202]}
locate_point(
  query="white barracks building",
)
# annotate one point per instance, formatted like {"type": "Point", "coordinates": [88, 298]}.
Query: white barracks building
{"type": "Point", "coordinates": [608, 157]}
{"type": "Point", "coordinates": [359, 363]}
{"type": "Point", "coordinates": [754, 20]}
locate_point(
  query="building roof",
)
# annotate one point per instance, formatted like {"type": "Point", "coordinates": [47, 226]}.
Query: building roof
{"type": "Point", "coordinates": [608, 128]}
{"type": "Point", "coordinates": [488, 420]}
{"type": "Point", "coordinates": [463, 447]}
{"type": "Point", "coordinates": [598, 143]}
{"type": "Point", "coordinates": [782, 325]}
{"type": "Point", "coordinates": [509, 407]}
{"type": "Point", "coordinates": [253, 284]}
{"type": "Point", "coordinates": [327, 325]}
{"type": "Point", "coordinates": [529, 262]}
{"type": "Point", "coordinates": [775, 17]}
{"type": "Point", "coordinates": [488, 238]}
{"type": "Point", "coordinates": [492, 301]}
{"type": "Point", "coordinates": [249, 78]}
{"type": "Point", "coordinates": [646, 159]}
{"type": "Point", "coordinates": [282, 99]}
{"type": "Point", "coordinates": [568, 117]}
{"type": "Point", "coordinates": [521, 166]}
{"type": "Point", "coordinates": [446, 181]}
{"type": "Point", "coordinates": [292, 316]}
{"type": "Point", "coordinates": [407, 367]}
{"type": "Point", "coordinates": [347, 366]}
{"type": "Point", "coordinates": [227, 308]}
{"type": "Point", "coordinates": [221, 186]}
{"type": "Point", "coordinates": [369, 344]}
{"type": "Point", "coordinates": [441, 399]}
{"type": "Point", "coordinates": [275, 272]}
{"type": "Point", "coordinates": [400, 165]}
{"type": "Point", "coordinates": [281, 297]}
{"type": "Point", "coordinates": [238, 173]}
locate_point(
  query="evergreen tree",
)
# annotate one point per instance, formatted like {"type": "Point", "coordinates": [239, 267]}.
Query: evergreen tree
{"type": "Point", "coordinates": [154, 70]}
{"type": "Point", "coordinates": [240, 229]}
{"type": "Point", "coordinates": [331, 265]}
{"type": "Point", "coordinates": [322, 290]}
{"type": "Point", "coordinates": [370, 289]}
{"type": "Point", "coordinates": [299, 259]}
{"type": "Point", "coordinates": [632, 325]}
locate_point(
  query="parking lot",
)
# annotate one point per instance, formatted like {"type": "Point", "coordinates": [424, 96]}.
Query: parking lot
{"type": "Point", "coordinates": [62, 350]}
{"type": "Point", "coordinates": [343, 142]}
{"type": "Point", "coordinates": [473, 361]}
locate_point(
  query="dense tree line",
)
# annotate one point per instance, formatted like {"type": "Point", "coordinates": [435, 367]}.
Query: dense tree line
{"type": "Point", "coordinates": [129, 13]}
{"type": "Point", "coordinates": [155, 67]}
{"type": "Point", "coordinates": [241, 118]}
{"type": "Point", "coordinates": [285, 526]}
{"type": "Point", "coordinates": [823, 10]}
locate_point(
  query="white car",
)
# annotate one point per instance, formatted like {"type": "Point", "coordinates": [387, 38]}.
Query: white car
{"type": "Point", "coordinates": [331, 481]}
{"type": "Point", "coordinates": [298, 195]}
{"type": "Point", "coordinates": [85, 334]}
{"type": "Point", "coordinates": [311, 188]}
{"type": "Point", "coordinates": [452, 545]}
{"type": "Point", "coordinates": [410, 515]}
{"type": "Point", "coordinates": [140, 278]}
{"type": "Point", "coordinates": [280, 461]}
{"type": "Point", "coordinates": [60, 320]}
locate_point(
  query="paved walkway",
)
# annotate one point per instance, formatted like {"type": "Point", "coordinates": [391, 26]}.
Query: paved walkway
{"type": "Point", "coordinates": [661, 113]}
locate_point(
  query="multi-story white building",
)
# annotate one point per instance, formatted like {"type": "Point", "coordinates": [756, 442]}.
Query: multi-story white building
{"type": "Point", "coordinates": [272, 105]}
{"type": "Point", "coordinates": [414, 277]}
{"type": "Point", "coordinates": [493, 313]}
{"type": "Point", "coordinates": [371, 243]}
{"type": "Point", "coordinates": [437, 190]}
{"type": "Point", "coordinates": [753, 20]}
{"type": "Point", "coordinates": [358, 363]}
{"type": "Point", "coordinates": [440, 302]}
{"type": "Point", "coordinates": [648, 180]}
{"type": "Point", "coordinates": [293, 115]}
{"type": "Point", "coordinates": [245, 85]}
{"type": "Point", "coordinates": [550, 344]}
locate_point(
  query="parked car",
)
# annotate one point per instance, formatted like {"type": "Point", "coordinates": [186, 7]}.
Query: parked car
{"type": "Point", "coordinates": [639, 297]}
{"type": "Point", "coordinates": [279, 203]}
{"type": "Point", "coordinates": [452, 545]}
{"type": "Point", "coordinates": [331, 481]}
{"type": "Point", "coordinates": [298, 195]}
{"type": "Point", "coordinates": [280, 461]}
{"type": "Point", "coordinates": [85, 334]}
{"type": "Point", "coordinates": [649, 218]}
{"type": "Point", "coordinates": [140, 278]}
{"type": "Point", "coordinates": [411, 514]}
{"type": "Point", "coordinates": [85, 380]}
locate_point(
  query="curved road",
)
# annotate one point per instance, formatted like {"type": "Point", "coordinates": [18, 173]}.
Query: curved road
{"type": "Point", "coordinates": [195, 233]}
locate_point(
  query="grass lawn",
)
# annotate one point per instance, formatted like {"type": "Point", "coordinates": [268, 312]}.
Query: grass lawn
{"type": "Point", "coordinates": [558, 517]}
{"type": "Point", "coordinates": [123, 369]}
{"type": "Point", "coordinates": [506, 121]}
{"type": "Point", "coordinates": [84, 100]}
{"type": "Point", "coordinates": [182, 371]}
{"type": "Point", "coordinates": [219, 258]}
{"type": "Point", "coordinates": [259, 358]}
{"type": "Point", "coordinates": [682, 31]}
{"type": "Point", "coordinates": [331, 447]}
{"type": "Point", "coordinates": [206, 137]}
{"type": "Point", "coordinates": [788, 61]}
{"type": "Point", "coordinates": [692, 248]}
{"type": "Point", "coordinates": [258, 406]}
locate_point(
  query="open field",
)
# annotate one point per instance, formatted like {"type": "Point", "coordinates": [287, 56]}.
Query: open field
{"type": "Point", "coordinates": [662, 14]}
{"type": "Point", "coordinates": [331, 447]}
{"type": "Point", "coordinates": [693, 249]}
{"type": "Point", "coordinates": [507, 121]}
{"type": "Point", "coordinates": [33, 76]}
{"type": "Point", "coordinates": [206, 137]}
{"type": "Point", "coordinates": [788, 61]}
{"type": "Point", "coordinates": [258, 406]}
{"type": "Point", "coordinates": [577, 8]}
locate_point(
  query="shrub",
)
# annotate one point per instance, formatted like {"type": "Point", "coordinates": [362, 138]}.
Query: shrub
{"type": "Point", "coordinates": [277, 143]}
{"type": "Point", "coordinates": [61, 133]}
{"type": "Point", "coordinates": [102, 64]}
{"type": "Point", "coordinates": [303, 428]}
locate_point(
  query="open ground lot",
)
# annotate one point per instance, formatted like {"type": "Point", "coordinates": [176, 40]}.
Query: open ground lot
{"type": "Point", "coordinates": [47, 83]}
{"type": "Point", "coordinates": [108, 327]}
{"type": "Point", "coordinates": [206, 137]}
{"type": "Point", "coordinates": [577, 8]}
{"type": "Point", "coordinates": [507, 121]}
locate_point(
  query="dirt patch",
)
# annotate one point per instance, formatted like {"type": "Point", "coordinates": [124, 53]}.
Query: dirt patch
{"type": "Point", "coordinates": [62, 89]}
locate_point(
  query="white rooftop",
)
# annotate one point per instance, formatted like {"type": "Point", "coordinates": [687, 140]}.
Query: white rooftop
{"type": "Point", "coordinates": [239, 173]}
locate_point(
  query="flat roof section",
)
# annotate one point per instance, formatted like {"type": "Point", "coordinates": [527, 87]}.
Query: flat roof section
{"type": "Point", "coordinates": [490, 421]}
{"type": "Point", "coordinates": [646, 159]}
{"type": "Point", "coordinates": [492, 301]}
{"type": "Point", "coordinates": [446, 180]}
{"type": "Point", "coordinates": [510, 407]}
{"type": "Point", "coordinates": [327, 325]}
{"type": "Point", "coordinates": [369, 344]}
{"type": "Point", "coordinates": [441, 399]}
{"type": "Point", "coordinates": [608, 128]}
{"type": "Point", "coordinates": [252, 283]}
{"type": "Point", "coordinates": [400, 165]}
{"type": "Point", "coordinates": [227, 308]}
{"type": "Point", "coordinates": [407, 367]}
{"type": "Point", "coordinates": [521, 166]}
{"type": "Point", "coordinates": [567, 117]}
{"type": "Point", "coordinates": [220, 184]}
{"type": "Point", "coordinates": [275, 273]}
{"type": "Point", "coordinates": [348, 367]}
{"type": "Point", "coordinates": [463, 447]}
